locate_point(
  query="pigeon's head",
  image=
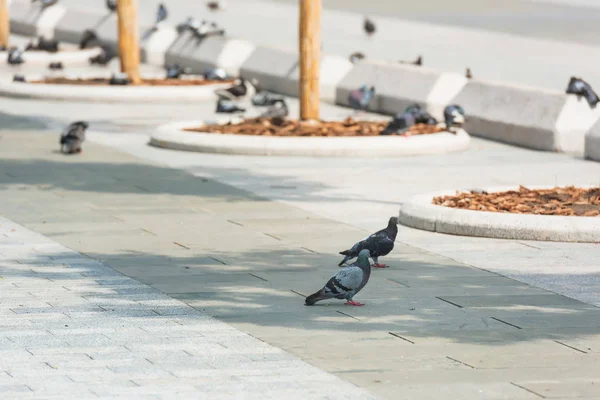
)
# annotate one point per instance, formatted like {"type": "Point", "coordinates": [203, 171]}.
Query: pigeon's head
{"type": "Point", "coordinates": [393, 221]}
{"type": "Point", "coordinates": [372, 90]}
{"type": "Point", "coordinates": [363, 256]}
{"type": "Point", "coordinates": [80, 124]}
{"type": "Point", "coordinates": [454, 115]}
{"type": "Point", "coordinates": [413, 109]}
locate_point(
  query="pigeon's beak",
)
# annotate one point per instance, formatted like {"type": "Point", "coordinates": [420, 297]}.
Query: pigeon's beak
{"type": "Point", "coordinates": [459, 118]}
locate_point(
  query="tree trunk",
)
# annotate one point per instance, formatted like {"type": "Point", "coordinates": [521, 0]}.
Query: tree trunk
{"type": "Point", "coordinates": [310, 58]}
{"type": "Point", "coordinates": [129, 39]}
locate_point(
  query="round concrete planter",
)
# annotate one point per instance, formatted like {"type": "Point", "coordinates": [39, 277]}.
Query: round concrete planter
{"type": "Point", "coordinates": [67, 57]}
{"type": "Point", "coordinates": [172, 136]}
{"type": "Point", "coordinates": [108, 93]}
{"type": "Point", "coordinates": [418, 212]}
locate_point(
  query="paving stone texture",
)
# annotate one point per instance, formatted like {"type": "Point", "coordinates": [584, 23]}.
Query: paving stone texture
{"type": "Point", "coordinates": [432, 325]}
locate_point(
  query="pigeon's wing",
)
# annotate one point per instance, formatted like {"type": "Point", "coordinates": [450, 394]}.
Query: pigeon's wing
{"type": "Point", "coordinates": [346, 281]}
{"type": "Point", "coordinates": [384, 246]}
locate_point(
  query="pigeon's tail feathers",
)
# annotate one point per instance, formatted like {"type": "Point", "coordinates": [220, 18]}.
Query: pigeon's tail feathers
{"type": "Point", "coordinates": [346, 258]}
{"type": "Point", "coordinates": [313, 298]}
{"type": "Point", "coordinates": [345, 252]}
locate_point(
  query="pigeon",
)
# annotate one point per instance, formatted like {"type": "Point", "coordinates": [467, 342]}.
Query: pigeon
{"type": "Point", "coordinates": [111, 5]}
{"type": "Point", "coordinates": [355, 57]}
{"type": "Point", "coordinates": [412, 115]}
{"type": "Point", "coordinates": [581, 88]}
{"type": "Point", "coordinates": [360, 99]}
{"type": "Point", "coordinates": [88, 39]}
{"type": "Point", "coordinates": [15, 56]}
{"type": "Point", "coordinates": [215, 74]}
{"type": "Point", "coordinates": [56, 65]}
{"type": "Point", "coordinates": [369, 26]}
{"type": "Point", "coordinates": [161, 14]}
{"type": "Point", "coordinates": [225, 106]}
{"type": "Point", "coordinates": [418, 61]}
{"type": "Point", "coordinates": [71, 139]}
{"type": "Point", "coordinates": [240, 89]}
{"type": "Point", "coordinates": [379, 244]}
{"type": "Point", "coordinates": [346, 283]}
{"type": "Point", "coordinates": [468, 73]}
{"type": "Point", "coordinates": [120, 78]}
{"type": "Point", "coordinates": [454, 116]}
{"type": "Point", "coordinates": [277, 110]}
{"type": "Point", "coordinates": [104, 57]}
{"type": "Point", "coordinates": [46, 3]}
{"type": "Point", "coordinates": [44, 44]}
{"type": "Point", "coordinates": [215, 5]}
{"type": "Point", "coordinates": [19, 78]}
{"type": "Point", "coordinates": [262, 99]}
{"type": "Point", "coordinates": [175, 71]}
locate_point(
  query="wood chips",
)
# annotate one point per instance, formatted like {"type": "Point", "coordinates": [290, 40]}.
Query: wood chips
{"type": "Point", "coordinates": [145, 82]}
{"type": "Point", "coordinates": [288, 127]}
{"type": "Point", "coordinates": [569, 201]}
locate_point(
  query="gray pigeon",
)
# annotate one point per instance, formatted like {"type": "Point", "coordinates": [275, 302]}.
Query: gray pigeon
{"type": "Point", "coordinates": [71, 139]}
{"type": "Point", "coordinates": [360, 99]}
{"type": "Point", "coordinates": [277, 110]}
{"type": "Point", "coordinates": [161, 14]}
{"type": "Point", "coordinates": [454, 116]}
{"type": "Point", "coordinates": [15, 56]}
{"type": "Point", "coordinates": [346, 283]}
{"type": "Point", "coordinates": [215, 74]}
{"type": "Point", "coordinates": [379, 244]}
{"type": "Point", "coordinates": [263, 99]}
{"type": "Point", "coordinates": [111, 5]}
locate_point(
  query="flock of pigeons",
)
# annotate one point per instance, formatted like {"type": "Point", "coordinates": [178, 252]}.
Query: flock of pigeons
{"type": "Point", "coordinates": [351, 279]}
{"type": "Point", "coordinates": [228, 99]}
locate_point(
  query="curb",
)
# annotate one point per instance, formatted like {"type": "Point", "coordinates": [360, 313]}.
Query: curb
{"type": "Point", "coordinates": [523, 116]}
{"type": "Point", "coordinates": [67, 57]}
{"type": "Point", "coordinates": [419, 213]}
{"type": "Point", "coordinates": [171, 136]}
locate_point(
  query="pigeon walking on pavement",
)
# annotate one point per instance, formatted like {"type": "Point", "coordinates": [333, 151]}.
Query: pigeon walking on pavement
{"type": "Point", "coordinates": [161, 15]}
{"type": "Point", "coordinates": [15, 56]}
{"type": "Point", "coordinates": [346, 283]}
{"type": "Point", "coordinates": [43, 44]}
{"type": "Point", "coordinates": [277, 110]}
{"type": "Point", "coordinates": [369, 26]}
{"type": "Point", "coordinates": [72, 138]}
{"type": "Point", "coordinates": [580, 87]}
{"type": "Point", "coordinates": [240, 89]}
{"type": "Point", "coordinates": [360, 99]}
{"type": "Point", "coordinates": [119, 78]}
{"type": "Point", "coordinates": [88, 39]}
{"type": "Point", "coordinates": [215, 74]}
{"type": "Point", "coordinates": [263, 99]}
{"type": "Point", "coordinates": [468, 73]}
{"type": "Point", "coordinates": [379, 244]}
{"type": "Point", "coordinates": [111, 5]}
{"type": "Point", "coordinates": [56, 65]}
{"type": "Point", "coordinates": [454, 117]}
{"type": "Point", "coordinates": [225, 106]}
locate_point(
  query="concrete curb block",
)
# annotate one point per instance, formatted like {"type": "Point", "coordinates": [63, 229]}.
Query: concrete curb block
{"type": "Point", "coordinates": [419, 213]}
{"type": "Point", "coordinates": [67, 57]}
{"type": "Point", "coordinates": [172, 136]}
{"type": "Point", "coordinates": [112, 94]}
{"type": "Point", "coordinates": [592, 143]}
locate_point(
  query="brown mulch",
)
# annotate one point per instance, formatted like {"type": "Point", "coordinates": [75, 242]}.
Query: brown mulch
{"type": "Point", "coordinates": [289, 127]}
{"type": "Point", "coordinates": [569, 201]}
{"type": "Point", "coordinates": [145, 82]}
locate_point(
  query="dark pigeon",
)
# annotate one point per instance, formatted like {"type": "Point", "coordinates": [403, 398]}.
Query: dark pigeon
{"type": "Point", "coordinates": [277, 110]}
{"type": "Point", "coordinates": [215, 5]}
{"type": "Point", "coordinates": [19, 78]}
{"type": "Point", "coordinates": [379, 244]}
{"type": "Point", "coordinates": [15, 56]}
{"type": "Point", "coordinates": [468, 73]}
{"type": "Point", "coordinates": [240, 89]}
{"type": "Point", "coordinates": [346, 283]}
{"type": "Point", "coordinates": [355, 57]}
{"type": "Point", "coordinates": [43, 44]}
{"type": "Point", "coordinates": [56, 65]}
{"type": "Point", "coordinates": [119, 78]}
{"type": "Point", "coordinates": [111, 5]}
{"type": "Point", "coordinates": [265, 99]}
{"type": "Point", "coordinates": [104, 57]}
{"type": "Point", "coordinates": [417, 62]}
{"type": "Point", "coordinates": [454, 116]}
{"type": "Point", "coordinates": [580, 87]}
{"type": "Point", "coordinates": [400, 123]}
{"type": "Point", "coordinates": [360, 99]}
{"type": "Point", "coordinates": [161, 14]}
{"type": "Point", "coordinates": [215, 74]}
{"type": "Point", "coordinates": [175, 71]}
{"type": "Point", "coordinates": [88, 39]}
{"type": "Point", "coordinates": [228, 107]}
{"type": "Point", "coordinates": [369, 26]}
{"type": "Point", "coordinates": [73, 137]}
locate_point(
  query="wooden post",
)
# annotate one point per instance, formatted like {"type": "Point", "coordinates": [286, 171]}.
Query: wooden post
{"type": "Point", "coordinates": [4, 23]}
{"type": "Point", "coordinates": [310, 58]}
{"type": "Point", "coordinates": [129, 39]}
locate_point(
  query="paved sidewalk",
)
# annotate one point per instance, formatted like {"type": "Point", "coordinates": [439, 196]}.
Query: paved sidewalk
{"type": "Point", "coordinates": [72, 327]}
{"type": "Point", "coordinates": [431, 326]}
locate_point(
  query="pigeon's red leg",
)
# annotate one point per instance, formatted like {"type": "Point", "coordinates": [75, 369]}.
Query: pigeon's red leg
{"type": "Point", "coordinates": [354, 303]}
{"type": "Point", "coordinates": [377, 265]}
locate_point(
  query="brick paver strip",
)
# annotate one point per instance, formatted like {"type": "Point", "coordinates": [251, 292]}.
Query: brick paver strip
{"type": "Point", "coordinates": [431, 325]}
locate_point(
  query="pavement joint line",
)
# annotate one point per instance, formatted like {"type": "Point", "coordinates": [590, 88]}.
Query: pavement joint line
{"type": "Point", "coordinates": [272, 236]}
{"type": "Point", "coordinates": [571, 347]}
{"type": "Point", "coordinates": [149, 231]}
{"type": "Point", "coordinates": [449, 302]}
{"type": "Point", "coordinates": [347, 315]}
{"type": "Point", "coordinates": [309, 250]}
{"type": "Point", "coordinates": [527, 390]}
{"type": "Point", "coordinates": [460, 362]}
{"type": "Point", "coordinates": [401, 337]}
{"type": "Point", "coordinates": [298, 293]}
{"type": "Point", "coordinates": [143, 189]}
{"type": "Point", "coordinates": [181, 245]}
{"type": "Point", "coordinates": [257, 277]}
{"type": "Point", "coordinates": [235, 223]}
{"type": "Point", "coordinates": [217, 260]}
{"type": "Point", "coordinates": [399, 283]}
{"type": "Point", "coordinates": [529, 245]}
{"type": "Point", "coordinates": [507, 323]}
